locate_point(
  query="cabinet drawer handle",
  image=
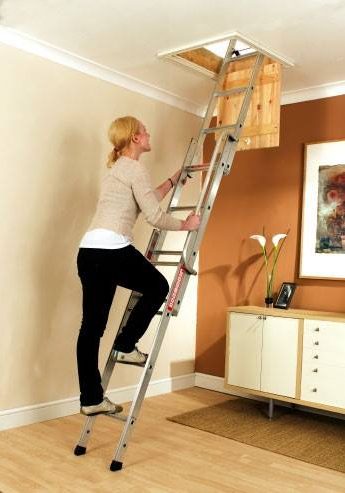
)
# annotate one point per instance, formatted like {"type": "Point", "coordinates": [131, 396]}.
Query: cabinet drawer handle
{"type": "Point", "coordinates": [315, 370]}
{"type": "Point", "coordinates": [317, 329]}
{"type": "Point", "coordinates": [314, 390]}
{"type": "Point", "coordinates": [316, 356]}
{"type": "Point", "coordinates": [259, 317]}
{"type": "Point", "coordinates": [316, 343]}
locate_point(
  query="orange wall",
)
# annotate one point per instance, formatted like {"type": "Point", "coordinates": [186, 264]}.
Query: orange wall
{"type": "Point", "coordinates": [264, 188]}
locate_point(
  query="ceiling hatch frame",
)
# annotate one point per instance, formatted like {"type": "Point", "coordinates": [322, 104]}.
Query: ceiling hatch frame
{"type": "Point", "coordinates": [243, 44]}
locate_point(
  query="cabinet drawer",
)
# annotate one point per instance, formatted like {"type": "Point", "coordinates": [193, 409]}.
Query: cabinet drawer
{"type": "Point", "coordinates": [322, 356]}
{"type": "Point", "coordinates": [323, 335]}
{"type": "Point", "coordinates": [324, 386]}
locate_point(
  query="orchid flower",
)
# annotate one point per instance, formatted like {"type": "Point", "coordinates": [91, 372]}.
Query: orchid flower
{"type": "Point", "coordinates": [276, 250]}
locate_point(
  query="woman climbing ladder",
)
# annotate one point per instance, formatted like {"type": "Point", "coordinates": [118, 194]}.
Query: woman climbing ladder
{"type": "Point", "coordinates": [107, 258]}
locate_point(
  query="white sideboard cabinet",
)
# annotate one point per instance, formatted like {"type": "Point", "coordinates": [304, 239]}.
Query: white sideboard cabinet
{"type": "Point", "coordinates": [291, 355]}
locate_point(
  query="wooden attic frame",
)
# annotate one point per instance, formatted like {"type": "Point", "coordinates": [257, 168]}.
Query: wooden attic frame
{"type": "Point", "coordinates": [262, 124]}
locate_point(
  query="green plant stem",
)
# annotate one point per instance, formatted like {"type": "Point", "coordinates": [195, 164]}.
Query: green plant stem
{"type": "Point", "coordinates": [276, 255]}
{"type": "Point", "coordinates": [267, 274]}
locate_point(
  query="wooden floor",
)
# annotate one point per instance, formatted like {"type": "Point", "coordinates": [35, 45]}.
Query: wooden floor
{"type": "Point", "coordinates": [163, 457]}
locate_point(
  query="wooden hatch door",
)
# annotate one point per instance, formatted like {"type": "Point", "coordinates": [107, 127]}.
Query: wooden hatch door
{"type": "Point", "coordinates": [262, 124]}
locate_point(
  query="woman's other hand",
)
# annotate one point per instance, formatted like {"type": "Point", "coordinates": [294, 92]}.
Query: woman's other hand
{"type": "Point", "coordinates": [191, 223]}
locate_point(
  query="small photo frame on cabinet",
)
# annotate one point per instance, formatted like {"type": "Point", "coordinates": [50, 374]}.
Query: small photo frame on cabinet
{"type": "Point", "coordinates": [285, 295]}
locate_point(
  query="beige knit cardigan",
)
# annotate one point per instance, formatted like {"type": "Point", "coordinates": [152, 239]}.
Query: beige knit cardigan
{"type": "Point", "coordinates": [126, 190]}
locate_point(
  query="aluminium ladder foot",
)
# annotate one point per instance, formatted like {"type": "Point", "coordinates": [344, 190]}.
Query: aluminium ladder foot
{"type": "Point", "coordinates": [79, 450]}
{"type": "Point", "coordinates": [116, 465]}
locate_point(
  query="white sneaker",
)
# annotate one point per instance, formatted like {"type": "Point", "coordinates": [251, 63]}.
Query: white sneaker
{"type": "Point", "coordinates": [136, 357]}
{"type": "Point", "coordinates": [104, 407]}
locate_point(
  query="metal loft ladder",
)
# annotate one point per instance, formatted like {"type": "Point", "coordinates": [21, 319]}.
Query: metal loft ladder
{"type": "Point", "coordinates": [220, 165]}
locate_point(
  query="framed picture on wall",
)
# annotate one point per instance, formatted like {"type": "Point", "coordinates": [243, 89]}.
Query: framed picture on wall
{"type": "Point", "coordinates": [322, 253]}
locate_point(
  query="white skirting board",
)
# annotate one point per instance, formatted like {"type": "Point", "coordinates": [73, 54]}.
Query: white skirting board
{"type": "Point", "coordinates": [12, 418]}
{"type": "Point", "coordinates": [211, 382]}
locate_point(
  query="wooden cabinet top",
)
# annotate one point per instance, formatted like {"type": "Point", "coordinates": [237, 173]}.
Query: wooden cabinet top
{"type": "Point", "coordinates": [290, 313]}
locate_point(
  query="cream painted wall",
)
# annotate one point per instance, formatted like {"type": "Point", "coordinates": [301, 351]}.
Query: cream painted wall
{"type": "Point", "coordinates": [53, 147]}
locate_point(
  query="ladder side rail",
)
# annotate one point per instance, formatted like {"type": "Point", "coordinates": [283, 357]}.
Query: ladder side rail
{"type": "Point", "coordinates": [216, 168]}
{"type": "Point", "coordinates": [206, 183]}
{"type": "Point", "coordinates": [193, 240]}
{"type": "Point", "coordinates": [106, 375]}
{"type": "Point", "coordinates": [141, 390]}
{"type": "Point", "coordinates": [181, 282]}
{"type": "Point", "coordinates": [146, 375]}
{"type": "Point", "coordinates": [213, 101]}
{"type": "Point", "coordinates": [210, 170]}
{"type": "Point", "coordinates": [85, 434]}
{"type": "Point", "coordinates": [193, 243]}
{"type": "Point", "coordinates": [158, 236]}
{"type": "Point", "coordinates": [174, 200]}
{"type": "Point", "coordinates": [182, 274]}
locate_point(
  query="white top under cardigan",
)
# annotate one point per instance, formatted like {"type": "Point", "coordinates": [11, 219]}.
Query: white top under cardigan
{"type": "Point", "coordinates": [104, 238]}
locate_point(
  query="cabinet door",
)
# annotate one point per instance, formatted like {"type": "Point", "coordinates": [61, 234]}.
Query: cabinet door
{"type": "Point", "coordinates": [245, 340]}
{"type": "Point", "coordinates": [279, 356]}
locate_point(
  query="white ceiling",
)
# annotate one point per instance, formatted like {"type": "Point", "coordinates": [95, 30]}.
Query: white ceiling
{"type": "Point", "coordinates": [127, 35]}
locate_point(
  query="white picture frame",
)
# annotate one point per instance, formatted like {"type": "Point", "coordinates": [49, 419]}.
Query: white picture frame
{"type": "Point", "coordinates": [322, 252]}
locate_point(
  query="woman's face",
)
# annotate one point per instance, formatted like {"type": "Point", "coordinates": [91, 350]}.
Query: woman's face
{"type": "Point", "coordinates": [142, 138]}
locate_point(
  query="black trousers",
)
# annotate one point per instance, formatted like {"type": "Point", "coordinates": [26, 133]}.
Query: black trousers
{"type": "Point", "coordinates": [100, 272]}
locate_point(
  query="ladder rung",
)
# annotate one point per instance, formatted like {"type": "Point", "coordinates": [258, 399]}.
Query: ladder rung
{"type": "Point", "coordinates": [167, 252]}
{"type": "Point", "coordinates": [197, 168]}
{"type": "Point", "coordinates": [229, 92]}
{"type": "Point", "coordinates": [142, 365]}
{"type": "Point", "coordinates": [118, 416]}
{"type": "Point", "coordinates": [167, 264]}
{"type": "Point", "coordinates": [212, 130]}
{"type": "Point", "coordinates": [160, 312]}
{"type": "Point", "coordinates": [233, 58]}
{"type": "Point", "coordinates": [136, 295]}
{"type": "Point", "coordinates": [182, 208]}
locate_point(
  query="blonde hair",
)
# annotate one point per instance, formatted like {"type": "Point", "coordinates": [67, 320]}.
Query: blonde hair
{"type": "Point", "coordinates": [120, 134]}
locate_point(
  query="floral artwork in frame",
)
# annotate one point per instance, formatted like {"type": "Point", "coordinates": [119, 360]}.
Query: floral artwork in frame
{"type": "Point", "coordinates": [322, 253]}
